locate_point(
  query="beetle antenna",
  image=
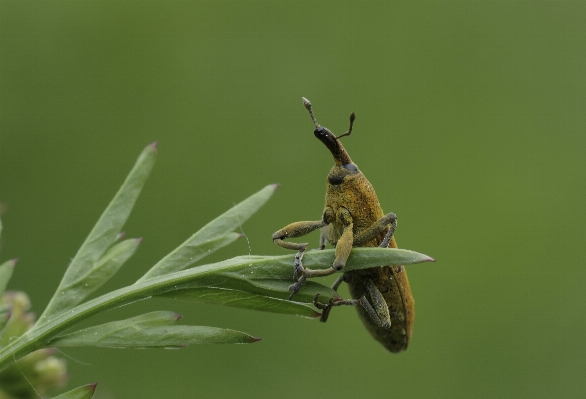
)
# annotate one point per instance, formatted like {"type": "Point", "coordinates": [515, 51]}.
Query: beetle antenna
{"type": "Point", "coordinates": [352, 117]}
{"type": "Point", "coordinates": [308, 106]}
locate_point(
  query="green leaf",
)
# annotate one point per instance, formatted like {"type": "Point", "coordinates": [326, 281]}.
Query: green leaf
{"type": "Point", "coordinates": [188, 253]}
{"type": "Point", "coordinates": [103, 234]}
{"type": "Point", "coordinates": [151, 330]}
{"type": "Point", "coordinates": [76, 291]}
{"type": "Point", "coordinates": [212, 236]}
{"type": "Point", "coordinates": [260, 269]}
{"type": "Point", "coordinates": [363, 258]}
{"type": "Point", "coordinates": [242, 299]}
{"type": "Point", "coordinates": [83, 392]}
{"type": "Point", "coordinates": [271, 276]}
{"type": "Point", "coordinates": [6, 270]}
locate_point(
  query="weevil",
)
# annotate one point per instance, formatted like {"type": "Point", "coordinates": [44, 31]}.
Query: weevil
{"type": "Point", "coordinates": [353, 217]}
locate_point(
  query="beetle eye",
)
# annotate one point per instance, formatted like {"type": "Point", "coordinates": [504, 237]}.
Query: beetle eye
{"type": "Point", "coordinates": [351, 166]}
{"type": "Point", "coordinates": [335, 179]}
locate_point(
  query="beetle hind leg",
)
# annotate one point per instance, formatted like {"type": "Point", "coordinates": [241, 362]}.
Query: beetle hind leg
{"type": "Point", "coordinates": [378, 311]}
{"type": "Point", "coordinates": [337, 301]}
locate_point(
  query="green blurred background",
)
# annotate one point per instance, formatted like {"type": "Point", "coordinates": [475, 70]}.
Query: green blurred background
{"type": "Point", "coordinates": [471, 125]}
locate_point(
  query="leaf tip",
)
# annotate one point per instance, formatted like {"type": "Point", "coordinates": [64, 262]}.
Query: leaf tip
{"type": "Point", "coordinates": [428, 259]}
{"type": "Point", "coordinates": [274, 185]}
{"type": "Point", "coordinates": [13, 262]}
{"type": "Point", "coordinates": [138, 240]}
{"type": "Point", "coordinates": [93, 386]}
{"type": "Point", "coordinates": [255, 340]}
{"type": "Point", "coordinates": [177, 316]}
{"type": "Point", "coordinates": [154, 145]}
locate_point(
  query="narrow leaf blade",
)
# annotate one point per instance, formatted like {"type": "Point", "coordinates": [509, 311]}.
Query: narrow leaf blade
{"type": "Point", "coordinates": [364, 258]}
{"type": "Point", "coordinates": [232, 219]}
{"type": "Point", "coordinates": [106, 267]}
{"type": "Point", "coordinates": [273, 267]}
{"type": "Point", "coordinates": [105, 231]}
{"type": "Point", "coordinates": [188, 253]}
{"type": "Point", "coordinates": [237, 215]}
{"type": "Point", "coordinates": [83, 392]}
{"type": "Point", "coordinates": [258, 283]}
{"type": "Point", "coordinates": [152, 330]}
{"type": "Point", "coordinates": [242, 299]}
{"type": "Point", "coordinates": [6, 270]}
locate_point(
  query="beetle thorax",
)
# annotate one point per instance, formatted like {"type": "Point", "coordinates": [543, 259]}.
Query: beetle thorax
{"type": "Point", "coordinates": [356, 194]}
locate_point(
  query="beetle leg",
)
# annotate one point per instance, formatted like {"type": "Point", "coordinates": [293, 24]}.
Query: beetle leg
{"type": "Point", "coordinates": [297, 265]}
{"type": "Point", "coordinates": [343, 248]}
{"type": "Point", "coordinates": [380, 306]}
{"type": "Point", "coordinates": [377, 227]}
{"type": "Point", "coordinates": [322, 241]}
{"type": "Point", "coordinates": [378, 311]}
{"type": "Point", "coordinates": [372, 312]}
{"type": "Point", "coordinates": [385, 242]}
{"type": "Point", "coordinates": [327, 307]}
{"type": "Point", "coordinates": [296, 229]}
{"type": "Point", "coordinates": [338, 282]}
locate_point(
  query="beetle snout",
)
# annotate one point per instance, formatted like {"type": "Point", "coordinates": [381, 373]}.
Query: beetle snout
{"type": "Point", "coordinates": [333, 144]}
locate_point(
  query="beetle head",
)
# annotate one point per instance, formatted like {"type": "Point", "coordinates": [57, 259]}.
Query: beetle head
{"type": "Point", "coordinates": [344, 165]}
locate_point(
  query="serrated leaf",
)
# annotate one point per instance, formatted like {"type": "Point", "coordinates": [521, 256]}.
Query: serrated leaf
{"type": "Point", "coordinates": [151, 330]}
{"type": "Point", "coordinates": [104, 232]}
{"type": "Point", "coordinates": [212, 236]}
{"type": "Point", "coordinates": [83, 392]}
{"type": "Point", "coordinates": [242, 299]}
{"type": "Point", "coordinates": [6, 270]}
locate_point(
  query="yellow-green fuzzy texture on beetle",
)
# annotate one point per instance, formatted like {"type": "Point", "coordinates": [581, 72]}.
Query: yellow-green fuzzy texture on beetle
{"type": "Point", "coordinates": [353, 217]}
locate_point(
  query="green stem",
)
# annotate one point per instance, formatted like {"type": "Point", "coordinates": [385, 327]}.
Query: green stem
{"type": "Point", "coordinates": [40, 335]}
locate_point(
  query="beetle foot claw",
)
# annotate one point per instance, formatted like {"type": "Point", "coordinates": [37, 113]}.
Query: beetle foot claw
{"type": "Point", "coordinates": [296, 286]}
{"type": "Point", "coordinates": [326, 307]}
{"type": "Point", "coordinates": [298, 265]}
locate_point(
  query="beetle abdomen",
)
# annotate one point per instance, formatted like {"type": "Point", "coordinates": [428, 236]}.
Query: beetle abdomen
{"type": "Point", "coordinates": [393, 284]}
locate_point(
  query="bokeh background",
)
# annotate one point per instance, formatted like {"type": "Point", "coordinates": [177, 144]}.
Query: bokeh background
{"type": "Point", "coordinates": [471, 125]}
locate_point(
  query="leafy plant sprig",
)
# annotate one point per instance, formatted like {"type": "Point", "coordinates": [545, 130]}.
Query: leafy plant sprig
{"type": "Point", "coordinates": [251, 282]}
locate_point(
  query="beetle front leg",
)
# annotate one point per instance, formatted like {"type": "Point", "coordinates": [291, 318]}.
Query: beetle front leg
{"type": "Point", "coordinates": [297, 229]}
{"type": "Point", "coordinates": [343, 248]}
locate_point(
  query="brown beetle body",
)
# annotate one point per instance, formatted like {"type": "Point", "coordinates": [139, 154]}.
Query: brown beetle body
{"type": "Point", "coordinates": [358, 196]}
{"type": "Point", "coordinates": [353, 217]}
